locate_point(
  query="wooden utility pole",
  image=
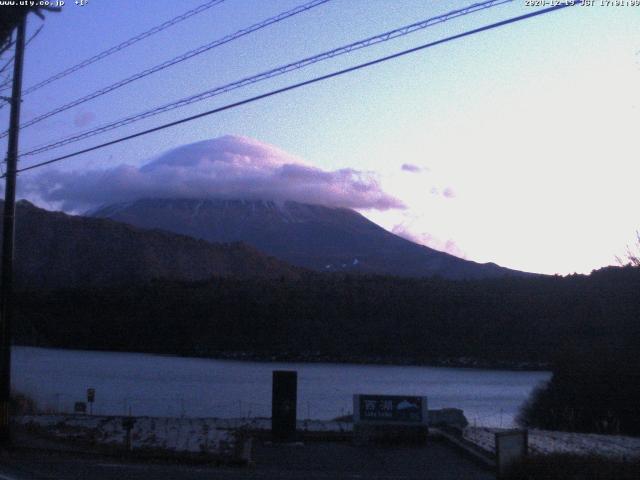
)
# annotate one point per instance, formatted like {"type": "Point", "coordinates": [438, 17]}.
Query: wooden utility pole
{"type": "Point", "coordinates": [8, 233]}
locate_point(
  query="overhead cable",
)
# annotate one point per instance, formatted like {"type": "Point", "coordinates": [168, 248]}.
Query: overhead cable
{"type": "Point", "coordinates": [305, 83]}
{"type": "Point", "coordinates": [179, 59]}
{"type": "Point", "coordinates": [121, 46]}
{"type": "Point", "coordinates": [383, 37]}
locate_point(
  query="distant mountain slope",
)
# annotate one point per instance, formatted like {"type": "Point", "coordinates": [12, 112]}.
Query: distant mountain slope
{"type": "Point", "coordinates": [310, 236]}
{"type": "Point", "coordinates": [58, 250]}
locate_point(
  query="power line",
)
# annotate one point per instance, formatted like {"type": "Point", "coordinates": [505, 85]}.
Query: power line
{"type": "Point", "coordinates": [10, 61]}
{"type": "Point", "coordinates": [307, 82]}
{"type": "Point", "coordinates": [6, 82]}
{"type": "Point", "coordinates": [4, 67]}
{"type": "Point", "coordinates": [127, 43]}
{"type": "Point", "coordinates": [180, 58]}
{"type": "Point", "coordinates": [9, 79]}
{"type": "Point", "coordinates": [35, 34]}
{"type": "Point", "coordinates": [7, 46]}
{"type": "Point", "coordinates": [383, 37]}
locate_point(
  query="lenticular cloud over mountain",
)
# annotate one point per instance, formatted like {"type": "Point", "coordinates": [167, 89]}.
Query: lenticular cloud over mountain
{"type": "Point", "coordinates": [228, 167]}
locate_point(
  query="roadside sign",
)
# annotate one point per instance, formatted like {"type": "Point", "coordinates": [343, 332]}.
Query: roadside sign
{"type": "Point", "coordinates": [390, 409]}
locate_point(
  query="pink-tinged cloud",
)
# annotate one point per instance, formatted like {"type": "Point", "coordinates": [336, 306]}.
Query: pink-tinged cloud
{"type": "Point", "coordinates": [408, 167]}
{"type": "Point", "coordinates": [82, 119]}
{"type": "Point", "coordinates": [447, 192]}
{"type": "Point", "coordinates": [428, 240]}
{"type": "Point", "coordinates": [228, 167]}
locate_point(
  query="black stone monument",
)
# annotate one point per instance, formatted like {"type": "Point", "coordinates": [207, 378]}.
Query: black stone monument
{"type": "Point", "coordinates": [283, 405]}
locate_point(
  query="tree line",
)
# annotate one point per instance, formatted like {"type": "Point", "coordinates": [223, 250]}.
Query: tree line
{"type": "Point", "coordinates": [344, 317]}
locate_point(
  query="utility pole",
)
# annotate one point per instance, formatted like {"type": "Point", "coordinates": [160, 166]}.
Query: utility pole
{"type": "Point", "coordinates": [8, 233]}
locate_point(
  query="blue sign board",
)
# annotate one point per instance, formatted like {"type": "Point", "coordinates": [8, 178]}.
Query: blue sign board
{"type": "Point", "coordinates": [400, 409]}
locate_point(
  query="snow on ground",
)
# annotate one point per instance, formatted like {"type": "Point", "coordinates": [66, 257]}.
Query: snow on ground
{"type": "Point", "coordinates": [195, 435]}
{"type": "Point", "coordinates": [545, 442]}
{"type": "Point", "coordinates": [312, 426]}
{"type": "Point", "coordinates": [218, 435]}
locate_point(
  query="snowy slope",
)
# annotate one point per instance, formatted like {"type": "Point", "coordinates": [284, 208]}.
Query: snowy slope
{"type": "Point", "coordinates": [546, 442]}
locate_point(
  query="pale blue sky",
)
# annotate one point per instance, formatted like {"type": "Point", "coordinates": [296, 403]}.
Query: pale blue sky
{"type": "Point", "coordinates": [532, 127]}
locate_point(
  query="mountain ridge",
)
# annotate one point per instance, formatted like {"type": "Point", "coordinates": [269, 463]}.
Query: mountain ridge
{"type": "Point", "coordinates": [310, 236]}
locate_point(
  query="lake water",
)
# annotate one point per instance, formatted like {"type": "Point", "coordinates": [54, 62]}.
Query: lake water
{"type": "Point", "coordinates": [156, 385]}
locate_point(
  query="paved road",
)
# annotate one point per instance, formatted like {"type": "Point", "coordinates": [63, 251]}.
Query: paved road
{"type": "Point", "coordinates": [317, 460]}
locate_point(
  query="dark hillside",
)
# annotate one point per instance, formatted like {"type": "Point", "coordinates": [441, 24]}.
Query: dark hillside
{"type": "Point", "coordinates": [56, 250]}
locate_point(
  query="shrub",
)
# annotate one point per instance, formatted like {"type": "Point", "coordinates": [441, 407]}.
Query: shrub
{"type": "Point", "coordinates": [596, 391]}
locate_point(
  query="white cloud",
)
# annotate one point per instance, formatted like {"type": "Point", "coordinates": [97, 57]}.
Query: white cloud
{"type": "Point", "coordinates": [449, 246]}
{"type": "Point", "coordinates": [225, 167]}
{"type": "Point", "coordinates": [411, 168]}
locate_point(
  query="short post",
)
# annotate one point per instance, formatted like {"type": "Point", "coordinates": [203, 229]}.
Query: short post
{"type": "Point", "coordinates": [511, 447]}
{"type": "Point", "coordinates": [91, 397]}
{"type": "Point", "coordinates": [127, 424]}
{"type": "Point", "coordinates": [284, 401]}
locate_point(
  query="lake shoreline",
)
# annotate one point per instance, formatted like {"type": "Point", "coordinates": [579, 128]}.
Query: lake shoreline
{"type": "Point", "coordinates": [464, 362]}
{"type": "Point", "coordinates": [169, 385]}
{"type": "Point", "coordinates": [461, 362]}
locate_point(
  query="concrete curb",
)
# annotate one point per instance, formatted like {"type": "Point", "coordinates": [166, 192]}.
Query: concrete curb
{"type": "Point", "coordinates": [470, 448]}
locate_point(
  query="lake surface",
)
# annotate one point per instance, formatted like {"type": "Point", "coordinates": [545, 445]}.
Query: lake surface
{"type": "Point", "coordinates": [155, 385]}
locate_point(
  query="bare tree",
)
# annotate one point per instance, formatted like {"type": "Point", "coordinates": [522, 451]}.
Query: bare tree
{"type": "Point", "coordinates": [632, 257]}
